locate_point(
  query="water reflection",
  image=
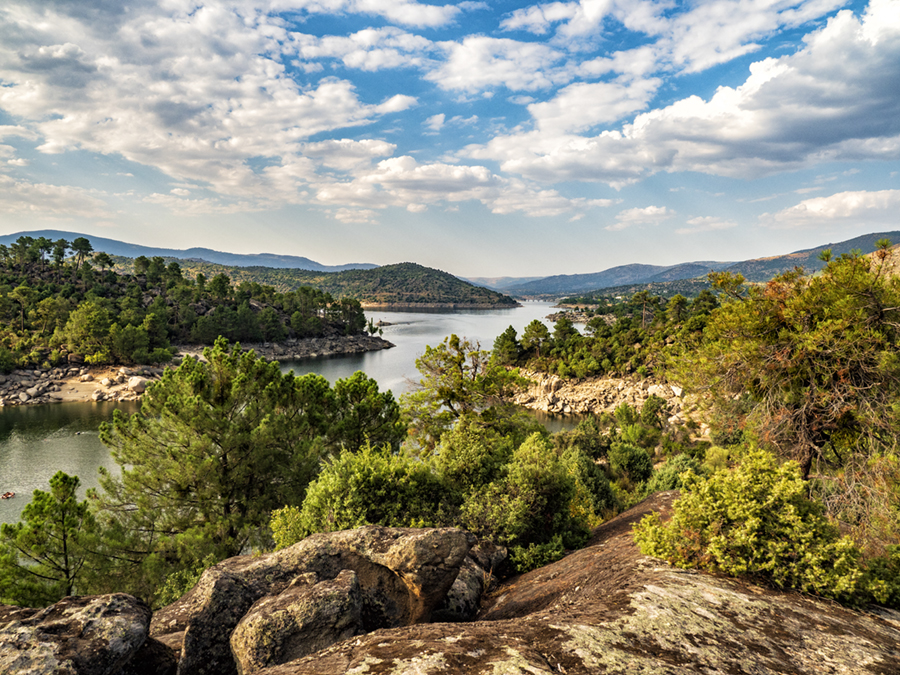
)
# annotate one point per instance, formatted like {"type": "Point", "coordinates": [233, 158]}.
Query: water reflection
{"type": "Point", "coordinates": [38, 441]}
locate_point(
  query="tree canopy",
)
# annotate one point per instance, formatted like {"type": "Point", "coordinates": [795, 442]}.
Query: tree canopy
{"type": "Point", "coordinates": [808, 363]}
{"type": "Point", "coordinates": [216, 446]}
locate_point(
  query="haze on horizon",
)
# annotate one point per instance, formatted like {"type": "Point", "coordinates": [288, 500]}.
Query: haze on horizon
{"type": "Point", "coordinates": [485, 139]}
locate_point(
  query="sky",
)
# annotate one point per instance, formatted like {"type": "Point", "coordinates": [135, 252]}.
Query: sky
{"type": "Point", "coordinates": [484, 139]}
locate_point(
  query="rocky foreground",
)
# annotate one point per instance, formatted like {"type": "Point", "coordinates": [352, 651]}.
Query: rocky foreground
{"type": "Point", "coordinates": [404, 602]}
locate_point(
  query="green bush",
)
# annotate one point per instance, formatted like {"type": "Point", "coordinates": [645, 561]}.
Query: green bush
{"type": "Point", "coordinates": [629, 461]}
{"type": "Point", "coordinates": [532, 504]}
{"type": "Point", "coordinates": [757, 521]}
{"type": "Point", "coordinates": [527, 558]}
{"type": "Point", "coordinates": [590, 476]}
{"type": "Point", "coordinates": [669, 476]}
{"type": "Point", "coordinates": [369, 487]}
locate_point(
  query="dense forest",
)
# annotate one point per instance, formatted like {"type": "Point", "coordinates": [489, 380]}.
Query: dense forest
{"type": "Point", "coordinates": [59, 298]}
{"type": "Point", "coordinates": [624, 337]}
{"type": "Point", "coordinates": [403, 283]}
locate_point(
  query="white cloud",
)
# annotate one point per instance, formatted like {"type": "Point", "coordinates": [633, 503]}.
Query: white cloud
{"type": "Point", "coordinates": [361, 216]}
{"type": "Point", "coordinates": [706, 224]}
{"type": "Point", "coordinates": [403, 12]}
{"type": "Point", "coordinates": [370, 49]}
{"type": "Point", "coordinates": [435, 122]}
{"type": "Point", "coordinates": [406, 183]}
{"type": "Point", "coordinates": [195, 94]}
{"type": "Point", "coordinates": [346, 154]}
{"type": "Point", "coordinates": [648, 215]}
{"type": "Point", "coordinates": [836, 99]}
{"type": "Point", "coordinates": [583, 105]}
{"type": "Point", "coordinates": [42, 200]}
{"type": "Point", "coordinates": [176, 203]}
{"type": "Point", "coordinates": [873, 209]}
{"type": "Point", "coordinates": [538, 19]}
{"type": "Point", "coordinates": [480, 62]}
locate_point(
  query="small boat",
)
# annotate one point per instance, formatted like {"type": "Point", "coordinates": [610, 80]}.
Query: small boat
{"type": "Point", "coordinates": [7, 495]}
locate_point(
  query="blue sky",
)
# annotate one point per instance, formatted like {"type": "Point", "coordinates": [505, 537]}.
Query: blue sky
{"type": "Point", "coordinates": [485, 139]}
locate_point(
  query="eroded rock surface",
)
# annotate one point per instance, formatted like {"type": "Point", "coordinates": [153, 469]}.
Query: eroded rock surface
{"type": "Point", "coordinates": [608, 609]}
{"type": "Point", "coordinates": [595, 395]}
{"type": "Point", "coordinates": [86, 635]}
{"type": "Point", "coordinates": [308, 616]}
{"type": "Point", "coordinates": [402, 574]}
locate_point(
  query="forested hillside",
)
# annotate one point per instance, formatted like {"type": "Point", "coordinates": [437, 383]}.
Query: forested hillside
{"type": "Point", "coordinates": [60, 298]}
{"type": "Point", "coordinates": [404, 283]}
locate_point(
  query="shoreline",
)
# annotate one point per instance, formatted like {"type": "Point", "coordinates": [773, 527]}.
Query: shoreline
{"type": "Point", "coordinates": [435, 305]}
{"type": "Point", "coordinates": [83, 383]}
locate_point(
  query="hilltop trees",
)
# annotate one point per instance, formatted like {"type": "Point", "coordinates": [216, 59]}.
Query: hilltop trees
{"type": "Point", "coordinates": [104, 316]}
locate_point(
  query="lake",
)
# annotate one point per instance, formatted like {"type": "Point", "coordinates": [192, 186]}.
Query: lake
{"type": "Point", "coordinates": [38, 441]}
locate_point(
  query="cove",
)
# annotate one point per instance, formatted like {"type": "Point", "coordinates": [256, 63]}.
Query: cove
{"type": "Point", "coordinates": [38, 441]}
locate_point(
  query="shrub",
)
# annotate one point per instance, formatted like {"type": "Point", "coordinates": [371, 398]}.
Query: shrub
{"type": "Point", "coordinates": [531, 504]}
{"type": "Point", "coordinates": [527, 558]}
{"type": "Point", "coordinates": [669, 476]}
{"type": "Point", "coordinates": [369, 487]}
{"type": "Point", "coordinates": [630, 461]}
{"type": "Point", "coordinates": [757, 521]}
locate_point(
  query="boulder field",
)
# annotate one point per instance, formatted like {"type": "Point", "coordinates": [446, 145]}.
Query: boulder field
{"type": "Point", "coordinates": [393, 601]}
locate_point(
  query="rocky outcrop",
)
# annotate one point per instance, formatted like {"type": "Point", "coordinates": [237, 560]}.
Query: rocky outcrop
{"type": "Point", "coordinates": [87, 635]}
{"type": "Point", "coordinates": [608, 609]}
{"type": "Point", "coordinates": [307, 616]}
{"type": "Point", "coordinates": [596, 395]}
{"type": "Point", "coordinates": [35, 386]}
{"type": "Point", "coordinates": [356, 602]}
{"type": "Point", "coordinates": [259, 610]}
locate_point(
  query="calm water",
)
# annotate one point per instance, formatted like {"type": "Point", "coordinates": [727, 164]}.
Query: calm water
{"type": "Point", "coordinates": [38, 441]}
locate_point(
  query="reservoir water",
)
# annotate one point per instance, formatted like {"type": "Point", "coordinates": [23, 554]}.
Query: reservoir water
{"type": "Point", "coordinates": [38, 441]}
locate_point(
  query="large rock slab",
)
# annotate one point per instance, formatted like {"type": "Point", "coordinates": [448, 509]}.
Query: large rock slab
{"type": "Point", "coordinates": [306, 617]}
{"type": "Point", "coordinates": [86, 635]}
{"type": "Point", "coordinates": [608, 609]}
{"type": "Point", "coordinates": [403, 574]}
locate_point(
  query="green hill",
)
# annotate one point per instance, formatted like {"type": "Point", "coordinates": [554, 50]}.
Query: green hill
{"type": "Point", "coordinates": [400, 284]}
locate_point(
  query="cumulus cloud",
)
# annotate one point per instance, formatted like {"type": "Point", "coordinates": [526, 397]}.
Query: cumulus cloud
{"type": "Point", "coordinates": [42, 200]}
{"type": "Point", "coordinates": [435, 122]}
{"type": "Point", "coordinates": [347, 154]}
{"type": "Point", "coordinates": [196, 93]}
{"type": "Point", "coordinates": [835, 99]}
{"type": "Point", "coordinates": [480, 62]}
{"type": "Point", "coordinates": [177, 203]}
{"type": "Point", "coordinates": [405, 182]}
{"type": "Point", "coordinates": [362, 216]}
{"type": "Point", "coordinates": [648, 215]}
{"type": "Point", "coordinates": [370, 49]}
{"type": "Point", "coordinates": [583, 105]}
{"type": "Point", "coordinates": [873, 209]}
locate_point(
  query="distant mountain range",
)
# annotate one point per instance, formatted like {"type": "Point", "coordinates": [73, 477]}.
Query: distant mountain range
{"type": "Point", "coordinates": [757, 270]}
{"type": "Point", "coordinates": [114, 247]}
